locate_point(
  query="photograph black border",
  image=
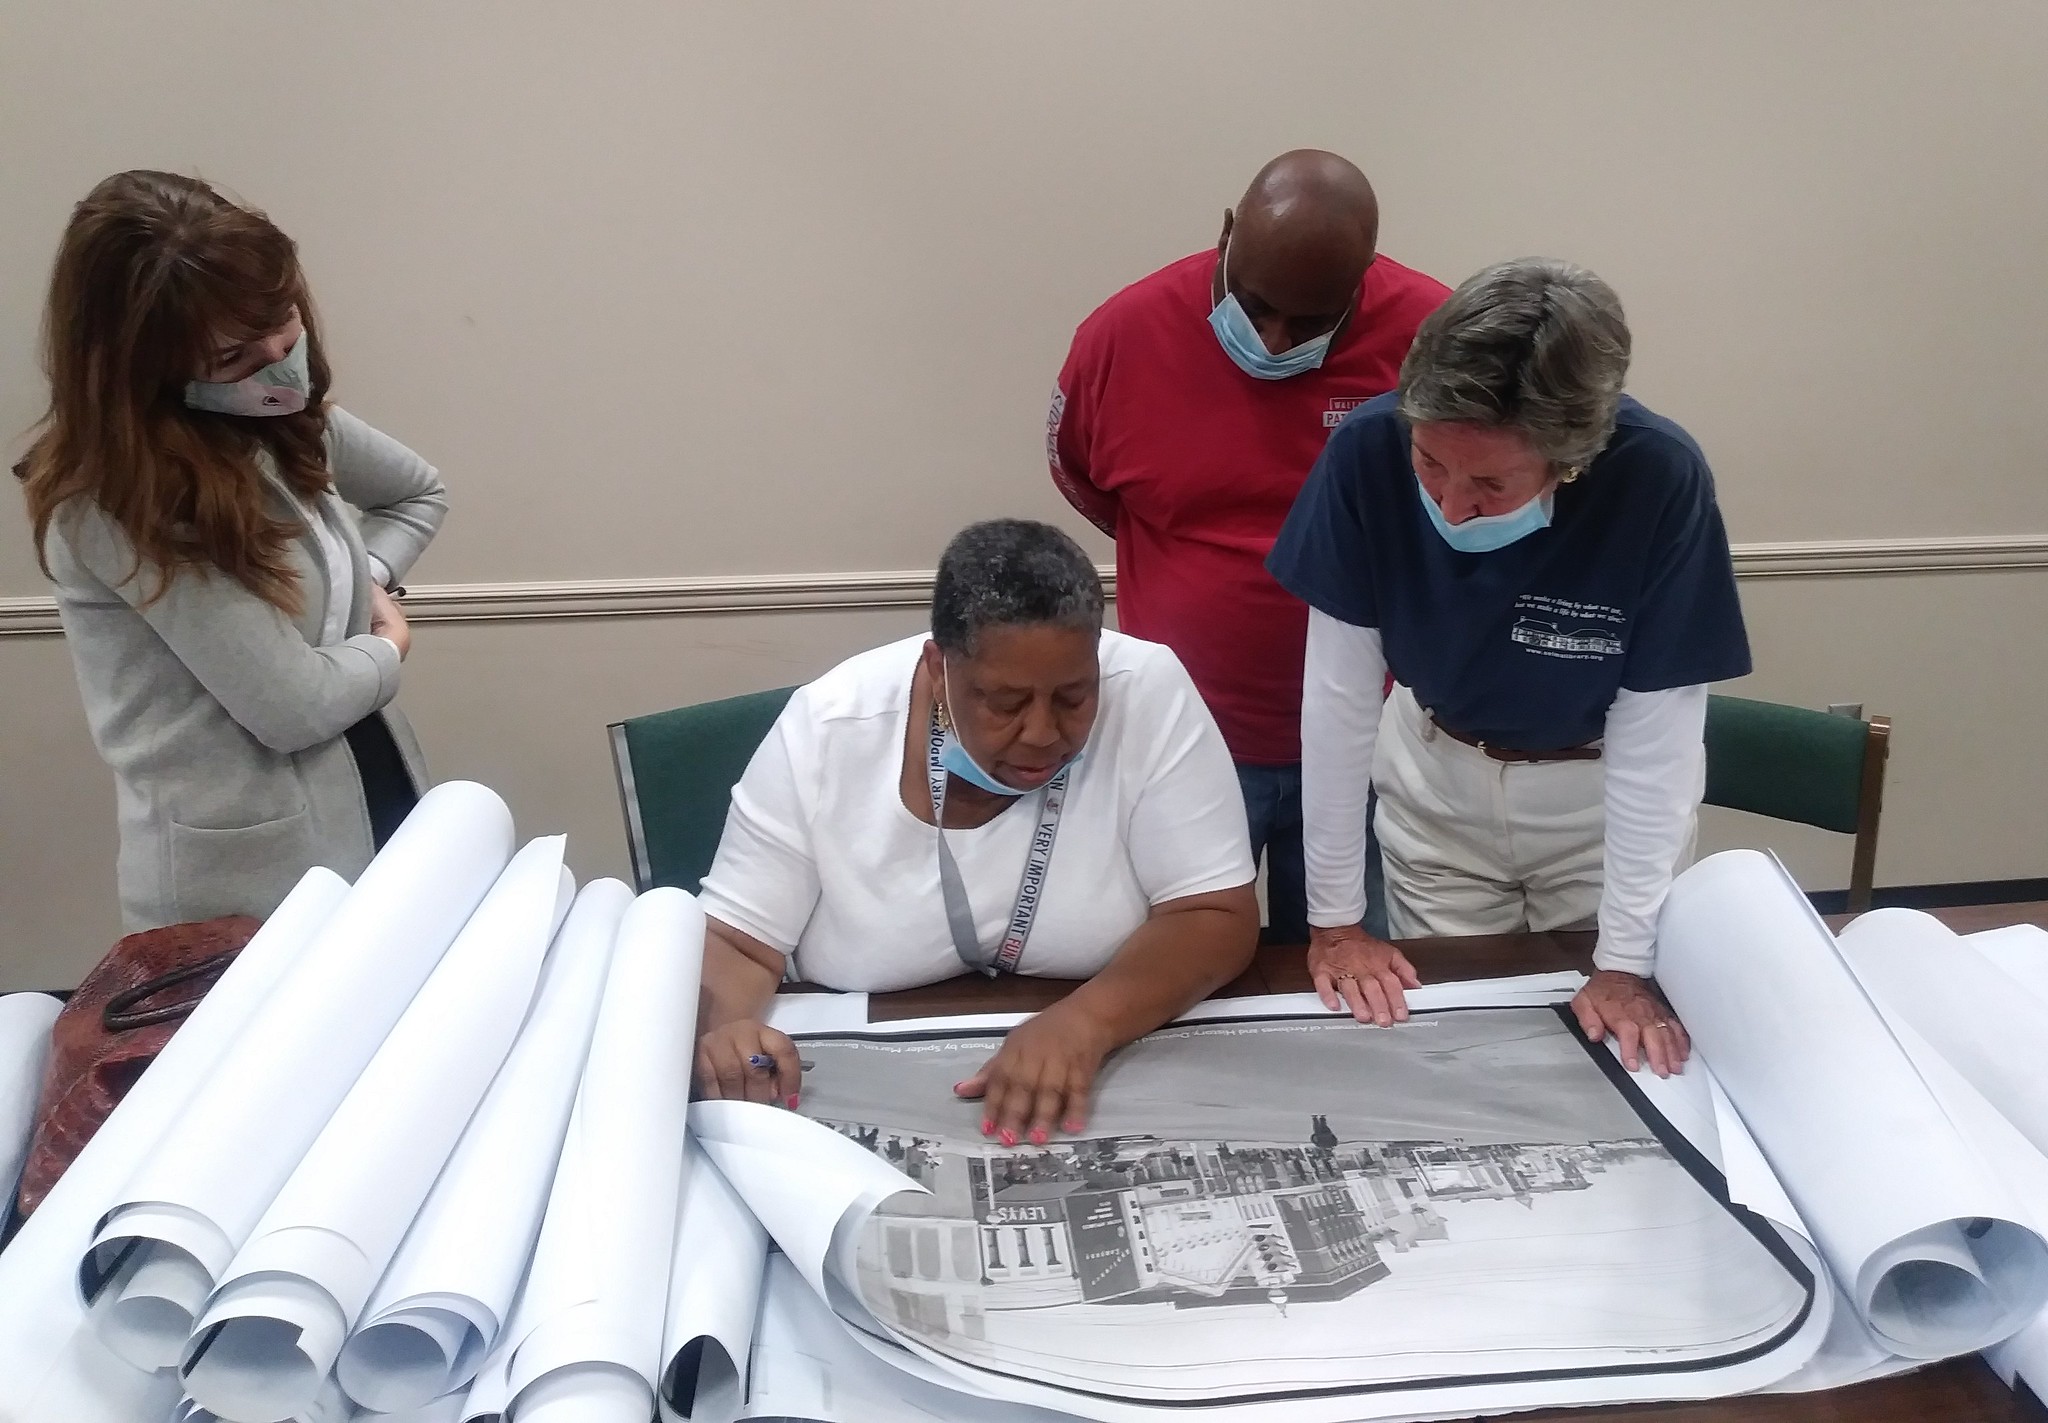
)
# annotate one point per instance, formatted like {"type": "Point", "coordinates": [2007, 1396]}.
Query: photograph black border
{"type": "Point", "coordinates": [1695, 1163]}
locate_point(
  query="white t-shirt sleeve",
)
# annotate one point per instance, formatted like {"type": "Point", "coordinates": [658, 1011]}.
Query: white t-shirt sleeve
{"type": "Point", "coordinates": [1188, 833]}
{"type": "Point", "coordinates": [1344, 687]}
{"type": "Point", "coordinates": [764, 880]}
{"type": "Point", "coordinates": [1655, 767]}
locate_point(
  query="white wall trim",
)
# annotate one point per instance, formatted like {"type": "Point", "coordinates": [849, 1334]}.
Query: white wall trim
{"type": "Point", "coordinates": [810, 592]}
{"type": "Point", "coordinates": [1830, 558]}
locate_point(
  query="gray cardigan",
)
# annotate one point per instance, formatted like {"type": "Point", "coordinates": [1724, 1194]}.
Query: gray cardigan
{"type": "Point", "coordinates": [221, 719]}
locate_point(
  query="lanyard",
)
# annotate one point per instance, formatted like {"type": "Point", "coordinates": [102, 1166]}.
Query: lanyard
{"type": "Point", "coordinates": [959, 913]}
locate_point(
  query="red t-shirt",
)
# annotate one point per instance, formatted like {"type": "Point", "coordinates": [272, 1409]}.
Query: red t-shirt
{"type": "Point", "coordinates": [1161, 440]}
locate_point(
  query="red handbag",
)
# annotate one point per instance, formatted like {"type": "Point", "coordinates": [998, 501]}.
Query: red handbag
{"type": "Point", "coordinates": [113, 1026]}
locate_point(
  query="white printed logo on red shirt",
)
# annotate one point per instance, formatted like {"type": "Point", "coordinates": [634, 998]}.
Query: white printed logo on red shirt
{"type": "Point", "coordinates": [1340, 407]}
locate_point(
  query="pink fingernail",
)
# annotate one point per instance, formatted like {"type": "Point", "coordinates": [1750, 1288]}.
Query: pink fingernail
{"type": "Point", "coordinates": [1039, 1136]}
{"type": "Point", "coordinates": [1009, 1137]}
{"type": "Point", "coordinates": [988, 1124]}
{"type": "Point", "coordinates": [1070, 1127]}
{"type": "Point", "coordinates": [792, 1103]}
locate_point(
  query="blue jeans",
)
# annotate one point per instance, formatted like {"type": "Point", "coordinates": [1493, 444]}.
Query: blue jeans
{"type": "Point", "coordinates": [1272, 805]}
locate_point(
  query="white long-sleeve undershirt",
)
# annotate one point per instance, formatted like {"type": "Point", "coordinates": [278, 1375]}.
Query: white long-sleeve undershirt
{"type": "Point", "coordinates": [1343, 688]}
{"type": "Point", "coordinates": [1653, 757]}
{"type": "Point", "coordinates": [1655, 760]}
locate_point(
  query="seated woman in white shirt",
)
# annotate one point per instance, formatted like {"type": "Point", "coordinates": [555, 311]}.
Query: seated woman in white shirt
{"type": "Point", "coordinates": [1020, 792]}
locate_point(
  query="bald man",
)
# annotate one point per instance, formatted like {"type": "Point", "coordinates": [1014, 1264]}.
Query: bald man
{"type": "Point", "coordinates": [1187, 417]}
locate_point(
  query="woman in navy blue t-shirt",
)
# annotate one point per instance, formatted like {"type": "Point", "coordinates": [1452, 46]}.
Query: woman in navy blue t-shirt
{"type": "Point", "coordinates": [1539, 562]}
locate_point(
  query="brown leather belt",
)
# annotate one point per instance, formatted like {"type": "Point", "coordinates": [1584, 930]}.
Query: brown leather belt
{"type": "Point", "coordinates": [1589, 752]}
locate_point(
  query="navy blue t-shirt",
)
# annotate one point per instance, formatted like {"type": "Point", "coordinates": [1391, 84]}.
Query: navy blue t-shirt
{"type": "Point", "coordinates": [1630, 587]}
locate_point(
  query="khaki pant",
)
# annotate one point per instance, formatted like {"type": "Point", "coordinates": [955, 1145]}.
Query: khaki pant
{"type": "Point", "coordinates": [1478, 846]}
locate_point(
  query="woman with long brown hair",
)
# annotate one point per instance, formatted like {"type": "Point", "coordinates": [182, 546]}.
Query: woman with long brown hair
{"type": "Point", "coordinates": [221, 541]}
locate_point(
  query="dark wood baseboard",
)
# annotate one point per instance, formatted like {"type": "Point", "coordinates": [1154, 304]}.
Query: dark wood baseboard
{"type": "Point", "coordinates": [1937, 896]}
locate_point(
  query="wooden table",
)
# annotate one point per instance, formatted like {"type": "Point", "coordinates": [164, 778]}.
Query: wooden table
{"type": "Point", "coordinates": [1958, 1391]}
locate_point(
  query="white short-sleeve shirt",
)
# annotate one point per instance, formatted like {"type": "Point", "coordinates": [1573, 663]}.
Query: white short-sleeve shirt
{"type": "Point", "coordinates": [822, 859]}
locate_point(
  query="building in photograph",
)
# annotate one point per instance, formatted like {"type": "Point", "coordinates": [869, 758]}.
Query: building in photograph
{"type": "Point", "coordinates": [1131, 1220]}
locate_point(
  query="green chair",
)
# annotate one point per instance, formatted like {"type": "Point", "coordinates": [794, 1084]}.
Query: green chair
{"type": "Point", "coordinates": [676, 772]}
{"type": "Point", "coordinates": [1791, 763]}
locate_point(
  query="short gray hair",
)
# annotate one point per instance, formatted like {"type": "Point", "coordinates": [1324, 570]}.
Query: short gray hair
{"type": "Point", "coordinates": [1536, 345]}
{"type": "Point", "coordinates": [1006, 572]}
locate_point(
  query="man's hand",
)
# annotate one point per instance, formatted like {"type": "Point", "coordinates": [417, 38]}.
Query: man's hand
{"type": "Point", "coordinates": [1354, 970]}
{"type": "Point", "coordinates": [387, 620]}
{"type": "Point", "coordinates": [1641, 1021]}
{"type": "Point", "coordinates": [725, 1068]}
{"type": "Point", "coordinates": [1039, 1080]}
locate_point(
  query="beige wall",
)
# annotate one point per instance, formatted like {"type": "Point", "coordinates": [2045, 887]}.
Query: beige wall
{"type": "Point", "coordinates": [678, 290]}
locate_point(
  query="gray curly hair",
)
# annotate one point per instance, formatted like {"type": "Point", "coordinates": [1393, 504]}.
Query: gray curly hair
{"type": "Point", "coordinates": [1004, 572]}
{"type": "Point", "coordinates": [1536, 345]}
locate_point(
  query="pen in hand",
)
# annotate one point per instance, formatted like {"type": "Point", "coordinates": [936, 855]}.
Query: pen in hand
{"type": "Point", "coordinates": [762, 1062]}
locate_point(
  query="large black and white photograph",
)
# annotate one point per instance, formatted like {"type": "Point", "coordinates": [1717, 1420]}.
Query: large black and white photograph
{"type": "Point", "coordinates": [1259, 1208]}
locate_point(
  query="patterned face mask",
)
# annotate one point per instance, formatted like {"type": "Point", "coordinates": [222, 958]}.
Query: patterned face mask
{"type": "Point", "coordinates": [280, 388]}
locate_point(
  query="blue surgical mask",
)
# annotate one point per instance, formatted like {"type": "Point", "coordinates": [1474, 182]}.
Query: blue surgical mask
{"type": "Point", "coordinates": [1484, 533]}
{"type": "Point", "coordinates": [280, 388]}
{"type": "Point", "coordinates": [954, 758]}
{"type": "Point", "coordinates": [1240, 339]}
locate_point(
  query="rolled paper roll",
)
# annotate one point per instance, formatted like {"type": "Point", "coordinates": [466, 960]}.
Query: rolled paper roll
{"type": "Point", "coordinates": [442, 1305]}
{"type": "Point", "coordinates": [240, 1137]}
{"type": "Point", "coordinates": [586, 1339]}
{"type": "Point", "coordinates": [278, 1319]}
{"type": "Point", "coordinates": [50, 1361]}
{"type": "Point", "coordinates": [25, 1022]}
